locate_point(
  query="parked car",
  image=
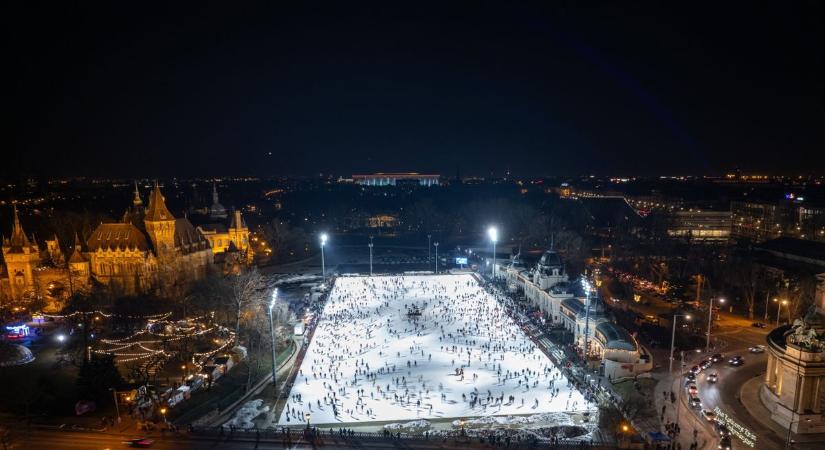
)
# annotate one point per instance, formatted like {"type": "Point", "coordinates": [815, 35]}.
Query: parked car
{"type": "Point", "coordinates": [757, 349]}
{"type": "Point", "coordinates": [712, 377]}
{"type": "Point", "coordinates": [736, 361]}
{"type": "Point", "coordinates": [695, 402]}
{"type": "Point", "coordinates": [709, 415]}
{"type": "Point", "coordinates": [717, 357]}
{"type": "Point", "coordinates": [759, 325]}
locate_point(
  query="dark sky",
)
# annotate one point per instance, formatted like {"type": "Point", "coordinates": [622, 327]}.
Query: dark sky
{"type": "Point", "coordinates": [129, 88]}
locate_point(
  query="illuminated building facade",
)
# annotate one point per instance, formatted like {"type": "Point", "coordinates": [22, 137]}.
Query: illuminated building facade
{"type": "Point", "coordinates": [149, 249]}
{"type": "Point", "coordinates": [396, 179]}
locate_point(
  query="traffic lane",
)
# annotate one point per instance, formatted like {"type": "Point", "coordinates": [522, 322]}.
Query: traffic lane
{"type": "Point", "coordinates": [92, 441]}
{"type": "Point", "coordinates": [63, 440]}
{"type": "Point", "coordinates": [731, 340]}
{"type": "Point", "coordinates": [725, 394]}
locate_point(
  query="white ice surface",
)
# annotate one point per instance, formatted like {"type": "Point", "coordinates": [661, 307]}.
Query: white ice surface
{"type": "Point", "coordinates": [365, 330]}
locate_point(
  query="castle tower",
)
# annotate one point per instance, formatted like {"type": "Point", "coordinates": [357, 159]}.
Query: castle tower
{"type": "Point", "coordinates": [159, 222]}
{"type": "Point", "coordinates": [137, 203]}
{"type": "Point", "coordinates": [22, 256]}
{"type": "Point", "coordinates": [55, 254]}
{"type": "Point", "coordinates": [216, 211]}
{"type": "Point", "coordinates": [78, 265]}
{"type": "Point", "coordinates": [239, 235]}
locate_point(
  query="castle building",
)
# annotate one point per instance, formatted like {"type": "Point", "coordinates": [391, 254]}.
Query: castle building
{"type": "Point", "coordinates": [216, 211]}
{"type": "Point", "coordinates": [223, 238]}
{"type": "Point", "coordinates": [148, 251]}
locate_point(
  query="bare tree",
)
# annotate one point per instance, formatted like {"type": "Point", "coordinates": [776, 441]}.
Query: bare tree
{"type": "Point", "coordinates": [248, 290]}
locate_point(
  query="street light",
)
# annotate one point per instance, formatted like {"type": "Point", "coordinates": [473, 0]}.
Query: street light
{"type": "Point", "coordinates": [779, 307]}
{"type": "Point", "coordinates": [370, 255]}
{"type": "Point", "coordinates": [673, 339]}
{"type": "Point", "coordinates": [710, 322]}
{"type": "Point", "coordinates": [61, 338]}
{"type": "Point", "coordinates": [163, 413]}
{"type": "Point", "coordinates": [493, 233]}
{"type": "Point", "coordinates": [272, 337]}
{"type": "Point", "coordinates": [436, 257]}
{"type": "Point", "coordinates": [323, 267]}
{"type": "Point", "coordinates": [117, 408]}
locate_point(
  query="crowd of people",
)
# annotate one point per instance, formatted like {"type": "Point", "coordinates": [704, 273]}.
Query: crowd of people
{"type": "Point", "coordinates": [409, 347]}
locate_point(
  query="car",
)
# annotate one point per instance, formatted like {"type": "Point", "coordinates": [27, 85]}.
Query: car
{"type": "Point", "coordinates": [690, 378]}
{"type": "Point", "coordinates": [692, 389]}
{"type": "Point", "coordinates": [695, 402]}
{"type": "Point", "coordinates": [736, 361]}
{"type": "Point", "coordinates": [712, 377]}
{"type": "Point", "coordinates": [725, 443]}
{"type": "Point", "coordinates": [722, 429]}
{"type": "Point", "coordinates": [695, 370]}
{"type": "Point", "coordinates": [709, 415]}
{"type": "Point", "coordinates": [757, 349]}
{"type": "Point", "coordinates": [141, 442]}
{"type": "Point", "coordinates": [705, 363]}
{"type": "Point", "coordinates": [717, 357]}
{"type": "Point", "coordinates": [759, 325]}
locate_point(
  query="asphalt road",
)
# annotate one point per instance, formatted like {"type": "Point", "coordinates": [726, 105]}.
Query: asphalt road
{"type": "Point", "coordinates": [725, 395]}
{"type": "Point", "coordinates": [68, 440]}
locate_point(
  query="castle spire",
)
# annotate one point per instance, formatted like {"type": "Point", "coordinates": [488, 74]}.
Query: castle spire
{"type": "Point", "coordinates": [157, 206]}
{"type": "Point", "coordinates": [18, 237]}
{"type": "Point", "coordinates": [137, 201]}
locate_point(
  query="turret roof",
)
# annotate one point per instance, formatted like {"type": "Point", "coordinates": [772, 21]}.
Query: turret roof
{"type": "Point", "coordinates": [157, 210]}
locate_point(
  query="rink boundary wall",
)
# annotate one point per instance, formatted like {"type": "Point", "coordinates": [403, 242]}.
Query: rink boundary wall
{"type": "Point", "coordinates": [298, 435]}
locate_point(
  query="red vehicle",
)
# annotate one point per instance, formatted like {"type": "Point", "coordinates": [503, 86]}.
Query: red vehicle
{"type": "Point", "coordinates": [141, 442]}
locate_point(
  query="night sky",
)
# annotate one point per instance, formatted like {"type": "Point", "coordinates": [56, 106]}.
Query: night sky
{"type": "Point", "coordinates": [132, 89]}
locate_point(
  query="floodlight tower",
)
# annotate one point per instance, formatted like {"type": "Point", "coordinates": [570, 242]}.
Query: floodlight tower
{"type": "Point", "coordinates": [323, 266]}
{"type": "Point", "coordinates": [493, 233]}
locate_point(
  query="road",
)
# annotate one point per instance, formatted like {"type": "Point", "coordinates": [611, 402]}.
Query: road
{"type": "Point", "coordinates": [67, 440]}
{"type": "Point", "coordinates": [732, 335]}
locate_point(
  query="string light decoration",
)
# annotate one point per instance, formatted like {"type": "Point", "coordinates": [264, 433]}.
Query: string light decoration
{"type": "Point", "coordinates": [128, 349]}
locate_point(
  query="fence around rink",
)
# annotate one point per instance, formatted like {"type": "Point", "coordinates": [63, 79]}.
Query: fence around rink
{"type": "Point", "coordinates": [324, 436]}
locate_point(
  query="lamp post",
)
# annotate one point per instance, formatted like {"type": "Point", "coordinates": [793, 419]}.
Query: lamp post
{"type": "Point", "coordinates": [370, 244]}
{"type": "Point", "coordinates": [307, 416]}
{"type": "Point", "coordinates": [493, 233]}
{"type": "Point", "coordinates": [436, 257]}
{"type": "Point", "coordinates": [585, 352]}
{"type": "Point", "coordinates": [323, 267]}
{"type": "Point", "coordinates": [117, 408]}
{"type": "Point", "coordinates": [779, 309]}
{"type": "Point", "coordinates": [681, 385]}
{"type": "Point", "coordinates": [673, 339]}
{"type": "Point", "coordinates": [710, 322]}
{"type": "Point", "coordinates": [272, 337]}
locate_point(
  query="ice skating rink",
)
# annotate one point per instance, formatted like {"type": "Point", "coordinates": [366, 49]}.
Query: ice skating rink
{"type": "Point", "coordinates": [392, 348]}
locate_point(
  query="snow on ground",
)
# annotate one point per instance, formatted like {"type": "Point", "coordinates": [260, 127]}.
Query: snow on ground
{"type": "Point", "coordinates": [370, 360]}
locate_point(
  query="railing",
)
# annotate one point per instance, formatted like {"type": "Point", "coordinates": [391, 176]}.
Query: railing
{"type": "Point", "coordinates": [320, 436]}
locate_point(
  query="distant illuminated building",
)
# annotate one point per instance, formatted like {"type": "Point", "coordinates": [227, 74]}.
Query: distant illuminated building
{"type": "Point", "coordinates": [395, 179]}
